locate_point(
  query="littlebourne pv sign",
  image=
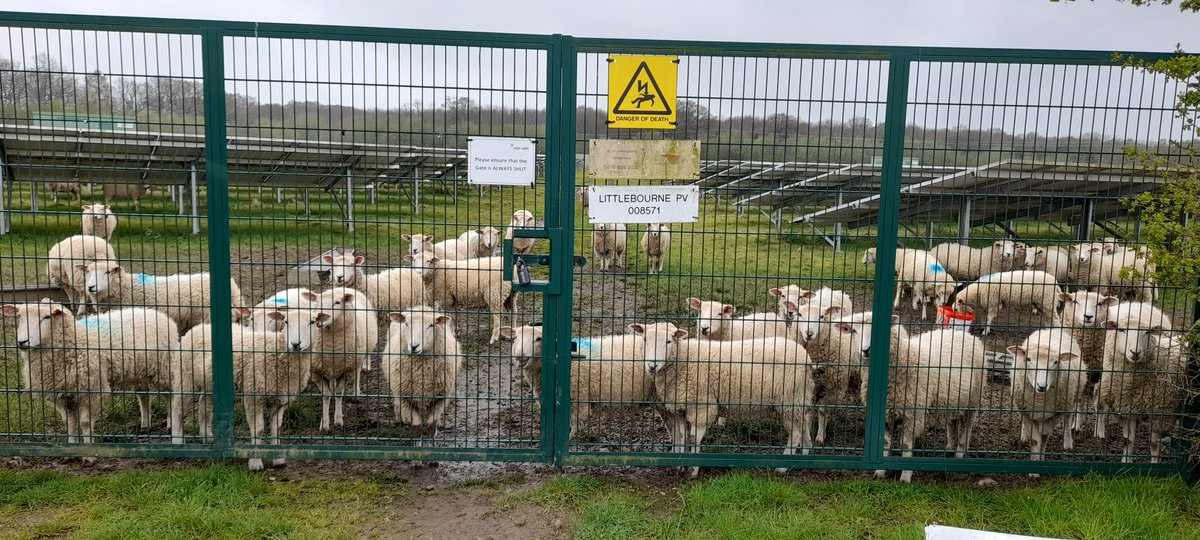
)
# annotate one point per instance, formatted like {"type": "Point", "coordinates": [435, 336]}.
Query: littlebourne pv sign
{"type": "Point", "coordinates": [643, 204]}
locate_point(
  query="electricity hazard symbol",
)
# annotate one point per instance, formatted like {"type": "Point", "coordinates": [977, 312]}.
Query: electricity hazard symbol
{"type": "Point", "coordinates": [642, 91]}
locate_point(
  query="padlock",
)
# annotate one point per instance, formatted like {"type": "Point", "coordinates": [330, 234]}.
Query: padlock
{"type": "Point", "coordinates": [523, 277]}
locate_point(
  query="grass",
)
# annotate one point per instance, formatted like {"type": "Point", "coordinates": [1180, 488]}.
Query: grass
{"type": "Point", "coordinates": [750, 505]}
{"type": "Point", "coordinates": [216, 501]}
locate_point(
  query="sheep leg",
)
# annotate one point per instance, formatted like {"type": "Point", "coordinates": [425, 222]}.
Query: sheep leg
{"type": "Point", "coordinates": [326, 395]}
{"type": "Point", "coordinates": [991, 316]}
{"type": "Point", "coordinates": [1129, 430]}
{"type": "Point", "coordinates": [339, 391]}
{"type": "Point", "coordinates": [204, 418]}
{"type": "Point", "coordinates": [1156, 440]}
{"type": "Point", "coordinates": [822, 419]}
{"type": "Point", "coordinates": [880, 474]}
{"type": "Point", "coordinates": [698, 431]}
{"type": "Point", "coordinates": [70, 419]}
{"type": "Point", "coordinates": [1036, 444]}
{"type": "Point", "coordinates": [357, 383]}
{"type": "Point", "coordinates": [496, 323]}
{"type": "Point", "coordinates": [144, 409]}
{"type": "Point", "coordinates": [908, 438]}
{"type": "Point", "coordinates": [176, 418]}
{"type": "Point", "coordinates": [1024, 430]}
{"type": "Point", "coordinates": [1069, 426]}
{"type": "Point", "coordinates": [1098, 406]}
{"type": "Point", "coordinates": [896, 301]}
{"type": "Point", "coordinates": [952, 429]}
{"type": "Point", "coordinates": [254, 418]}
{"type": "Point", "coordinates": [964, 433]}
{"type": "Point", "coordinates": [276, 422]}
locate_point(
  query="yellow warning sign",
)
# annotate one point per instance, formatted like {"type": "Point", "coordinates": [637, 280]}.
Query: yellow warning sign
{"type": "Point", "coordinates": [642, 91]}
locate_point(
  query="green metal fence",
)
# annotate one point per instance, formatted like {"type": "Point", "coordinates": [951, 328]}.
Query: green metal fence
{"type": "Point", "coordinates": [288, 157]}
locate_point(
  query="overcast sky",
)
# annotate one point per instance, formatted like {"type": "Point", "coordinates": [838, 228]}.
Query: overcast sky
{"type": "Point", "coordinates": [1103, 24]}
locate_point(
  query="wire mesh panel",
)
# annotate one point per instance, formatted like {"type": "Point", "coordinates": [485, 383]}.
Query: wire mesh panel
{"type": "Point", "coordinates": [1025, 237]}
{"type": "Point", "coordinates": [101, 139]}
{"type": "Point", "coordinates": [348, 195]}
{"type": "Point", "coordinates": [779, 137]}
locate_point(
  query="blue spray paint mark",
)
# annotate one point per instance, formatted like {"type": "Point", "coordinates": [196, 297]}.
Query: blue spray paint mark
{"type": "Point", "coordinates": [582, 345]}
{"type": "Point", "coordinates": [94, 322]}
{"type": "Point", "coordinates": [144, 278]}
{"type": "Point", "coordinates": [279, 301]}
{"type": "Point", "coordinates": [988, 277]}
{"type": "Point", "coordinates": [936, 268]}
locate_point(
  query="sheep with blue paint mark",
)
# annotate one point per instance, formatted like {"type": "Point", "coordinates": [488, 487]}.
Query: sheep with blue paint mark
{"type": "Point", "coordinates": [1007, 290]}
{"type": "Point", "coordinates": [65, 258]}
{"type": "Point", "coordinates": [186, 298]}
{"type": "Point", "coordinates": [929, 281]}
{"type": "Point", "coordinates": [280, 301]}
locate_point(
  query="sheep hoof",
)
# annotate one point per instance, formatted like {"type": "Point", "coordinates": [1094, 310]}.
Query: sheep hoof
{"type": "Point", "coordinates": [906, 477]}
{"type": "Point", "coordinates": [695, 472]}
{"type": "Point", "coordinates": [88, 461]}
{"type": "Point", "coordinates": [279, 463]}
{"type": "Point", "coordinates": [255, 464]}
{"type": "Point", "coordinates": [781, 470]}
{"type": "Point", "coordinates": [880, 474]}
{"type": "Point", "coordinates": [1034, 475]}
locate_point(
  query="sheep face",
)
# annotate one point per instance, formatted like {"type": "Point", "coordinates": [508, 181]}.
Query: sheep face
{"type": "Point", "coordinates": [343, 268]}
{"type": "Point", "coordinates": [1006, 248]}
{"type": "Point", "coordinates": [1086, 306]}
{"type": "Point", "coordinates": [936, 292]}
{"type": "Point", "coordinates": [1084, 252]}
{"type": "Point", "coordinates": [1132, 337]}
{"type": "Point", "coordinates": [810, 318]}
{"type": "Point", "coordinates": [338, 302]}
{"type": "Point", "coordinates": [419, 328]}
{"type": "Point", "coordinates": [488, 237]}
{"type": "Point", "coordinates": [35, 321]}
{"type": "Point", "coordinates": [869, 256]}
{"type": "Point", "coordinates": [418, 243]}
{"type": "Point", "coordinates": [300, 327]}
{"type": "Point", "coordinates": [527, 345]}
{"type": "Point", "coordinates": [655, 230]}
{"type": "Point", "coordinates": [1040, 366]}
{"type": "Point", "coordinates": [713, 315]}
{"type": "Point", "coordinates": [859, 335]}
{"type": "Point", "coordinates": [99, 275]}
{"type": "Point", "coordinates": [96, 212]}
{"type": "Point", "coordinates": [660, 341]}
{"type": "Point", "coordinates": [791, 293]}
{"type": "Point", "coordinates": [522, 219]}
{"type": "Point", "coordinates": [961, 305]}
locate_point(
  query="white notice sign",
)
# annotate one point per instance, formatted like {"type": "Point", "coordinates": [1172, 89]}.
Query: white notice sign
{"type": "Point", "coordinates": [643, 204]}
{"type": "Point", "coordinates": [501, 161]}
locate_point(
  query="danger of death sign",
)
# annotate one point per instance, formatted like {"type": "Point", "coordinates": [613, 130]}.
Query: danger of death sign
{"type": "Point", "coordinates": [642, 91]}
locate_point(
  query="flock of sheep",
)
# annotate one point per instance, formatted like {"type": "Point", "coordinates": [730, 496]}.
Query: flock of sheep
{"type": "Point", "coordinates": [805, 361]}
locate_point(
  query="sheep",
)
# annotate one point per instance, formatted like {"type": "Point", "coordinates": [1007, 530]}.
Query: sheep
{"type": "Point", "coordinates": [929, 281]}
{"type": "Point", "coordinates": [994, 292]}
{"type": "Point", "coordinates": [582, 193]}
{"type": "Point", "coordinates": [805, 322]}
{"type": "Point", "coordinates": [126, 191]}
{"type": "Point", "coordinates": [283, 300]}
{"type": "Point", "coordinates": [471, 282]}
{"type": "Point", "coordinates": [612, 374]}
{"type": "Point", "coordinates": [1051, 387]}
{"type": "Point", "coordinates": [966, 263]}
{"type": "Point", "coordinates": [394, 289]}
{"type": "Point", "coordinates": [939, 373]}
{"type": "Point", "coordinates": [715, 322]}
{"type": "Point", "coordinates": [421, 362]}
{"type": "Point", "coordinates": [471, 244]}
{"type": "Point", "coordinates": [64, 259]}
{"type": "Point", "coordinates": [1114, 270]}
{"type": "Point", "coordinates": [98, 220]}
{"type": "Point", "coordinates": [869, 256]}
{"type": "Point", "coordinates": [270, 370]}
{"type": "Point", "coordinates": [1144, 374]}
{"type": "Point", "coordinates": [138, 346]}
{"type": "Point", "coordinates": [837, 379]}
{"type": "Point", "coordinates": [63, 366]}
{"type": "Point", "coordinates": [184, 297]}
{"type": "Point", "coordinates": [656, 242]}
{"type": "Point", "coordinates": [347, 341]}
{"type": "Point", "coordinates": [608, 245]}
{"type": "Point", "coordinates": [695, 379]}
{"type": "Point", "coordinates": [417, 243]}
{"type": "Point", "coordinates": [64, 187]}
{"type": "Point", "coordinates": [1055, 261]}
{"type": "Point", "coordinates": [793, 294]}
{"type": "Point", "coordinates": [1084, 313]}
{"type": "Point", "coordinates": [521, 219]}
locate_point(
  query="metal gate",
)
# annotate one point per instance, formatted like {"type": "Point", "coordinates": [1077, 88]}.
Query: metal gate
{"type": "Point", "coordinates": [293, 156]}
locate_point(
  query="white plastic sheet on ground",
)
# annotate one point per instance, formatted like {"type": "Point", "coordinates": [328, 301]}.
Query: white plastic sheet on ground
{"type": "Point", "coordinates": [939, 532]}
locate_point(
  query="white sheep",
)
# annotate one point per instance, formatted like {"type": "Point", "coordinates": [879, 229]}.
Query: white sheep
{"type": "Point", "coordinates": [1144, 375]}
{"type": "Point", "coordinates": [186, 298]}
{"type": "Point", "coordinates": [421, 362]}
{"type": "Point", "coordinates": [270, 370]}
{"type": "Point", "coordinates": [471, 244]}
{"type": "Point", "coordinates": [608, 245]}
{"type": "Point", "coordinates": [1048, 386]}
{"type": "Point", "coordinates": [838, 369]}
{"type": "Point", "coordinates": [791, 293]}
{"type": "Point", "coordinates": [921, 272]}
{"type": "Point", "coordinates": [138, 346]}
{"type": "Point", "coordinates": [417, 243]}
{"type": "Point", "coordinates": [63, 365]}
{"type": "Point", "coordinates": [347, 340]}
{"type": "Point", "coordinates": [521, 219]}
{"type": "Point", "coordinates": [656, 243]}
{"type": "Point", "coordinates": [696, 379]}
{"type": "Point", "coordinates": [99, 220]}
{"type": "Point", "coordinates": [64, 187]}
{"type": "Point", "coordinates": [126, 191]}
{"type": "Point", "coordinates": [995, 292]}
{"type": "Point", "coordinates": [938, 374]}
{"type": "Point", "coordinates": [715, 322]}
{"type": "Point", "coordinates": [612, 372]}
{"type": "Point", "coordinates": [1084, 313]}
{"type": "Point", "coordinates": [296, 298]}
{"type": "Point", "coordinates": [1055, 261]}
{"type": "Point", "coordinates": [394, 289]}
{"type": "Point", "coordinates": [64, 260]}
{"type": "Point", "coordinates": [1115, 270]}
{"type": "Point", "coordinates": [468, 283]}
{"type": "Point", "coordinates": [966, 263]}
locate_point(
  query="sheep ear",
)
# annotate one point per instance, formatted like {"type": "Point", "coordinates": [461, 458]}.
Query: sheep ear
{"type": "Point", "coordinates": [1109, 301]}
{"type": "Point", "coordinates": [87, 207]}
{"type": "Point", "coordinates": [1066, 297]}
{"type": "Point", "coordinates": [347, 297]}
{"type": "Point", "coordinates": [694, 303]}
{"type": "Point", "coordinates": [81, 267]}
{"type": "Point", "coordinates": [680, 334]}
{"type": "Point", "coordinates": [276, 315]}
{"type": "Point", "coordinates": [116, 269]}
{"type": "Point", "coordinates": [10, 310]}
{"type": "Point", "coordinates": [244, 312]}
{"type": "Point", "coordinates": [775, 291]}
{"type": "Point", "coordinates": [845, 328]}
{"type": "Point", "coordinates": [895, 319]}
{"type": "Point", "coordinates": [407, 258]}
{"type": "Point", "coordinates": [396, 316]}
{"type": "Point", "coordinates": [442, 319]}
{"type": "Point", "coordinates": [57, 311]}
{"type": "Point", "coordinates": [807, 294]}
{"type": "Point", "coordinates": [327, 258]}
{"type": "Point", "coordinates": [1110, 249]}
{"type": "Point", "coordinates": [791, 307]}
{"type": "Point", "coordinates": [1095, 250]}
{"type": "Point", "coordinates": [479, 231]}
{"type": "Point", "coordinates": [1039, 251]}
{"type": "Point", "coordinates": [1111, 325]}
{"type": "Point", "coordinates": [637, 328]}
{"type": "Point", "coordinates": [309, 295]}
{"type": "Point", "coordinates": [1067, 356]}
{"type": "Point", "coordinates": [1015, 350]}
{"type": "Point", "coordinates": [323, 319]}
{"type": "Point", "coordinates": [728, 309]}
{"type": "Point", "coordinates": [833, 311]}
{"type": "Point", "coordinates": [406, 237]}
{"type": "Point", "coordinates": [1157, 330]}
{"type": "Point", "coordinates": [507, 332]}
{"type": "Point", "coordinates": [359, 259]}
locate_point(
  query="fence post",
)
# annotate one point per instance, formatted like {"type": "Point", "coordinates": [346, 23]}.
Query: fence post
{"type": "Point", "coordinates": [217, 170]}
{"type": "Point", "coordinates": [885, 260]}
